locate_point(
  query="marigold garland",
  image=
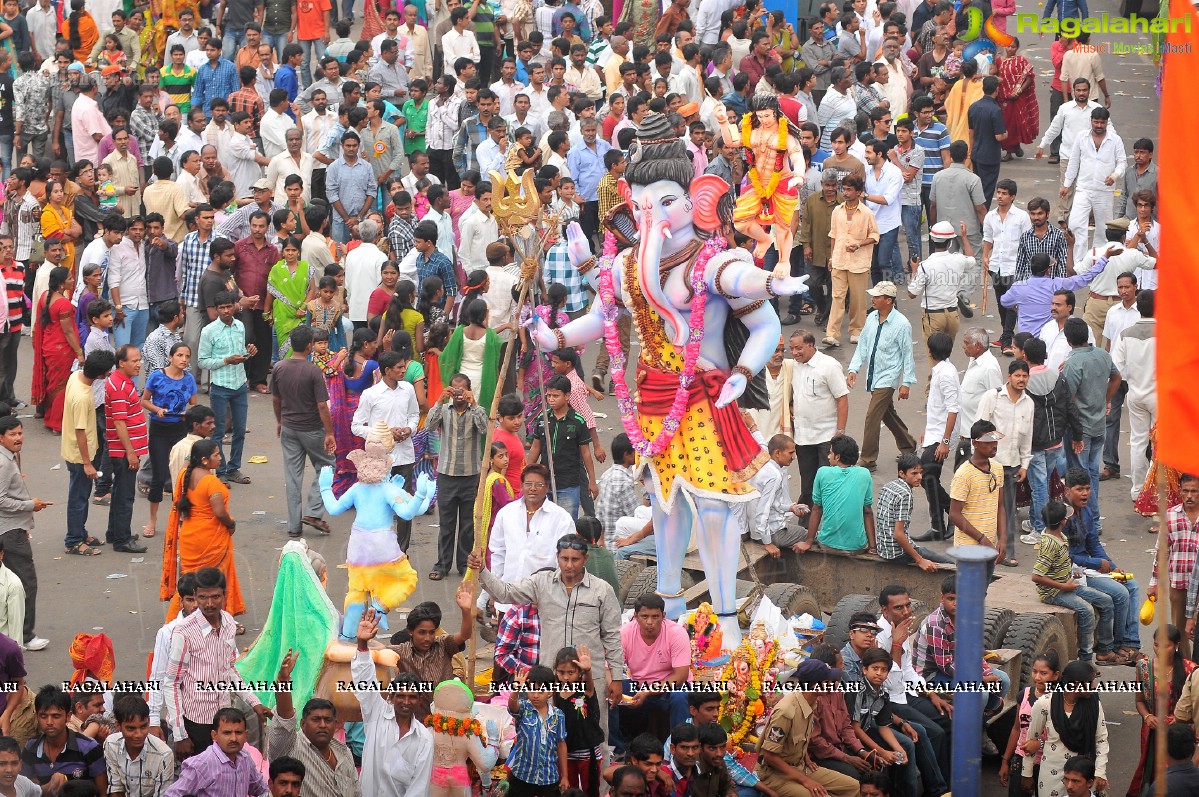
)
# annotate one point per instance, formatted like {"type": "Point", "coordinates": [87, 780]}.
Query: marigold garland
{"type": "Point", "coordinates": [456, 726]}
{"type": "Point", "coordinates": [738, 721]}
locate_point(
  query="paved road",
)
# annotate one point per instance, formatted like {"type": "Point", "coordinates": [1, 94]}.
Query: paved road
{"type": "Point", "coordinates": [118, 594]}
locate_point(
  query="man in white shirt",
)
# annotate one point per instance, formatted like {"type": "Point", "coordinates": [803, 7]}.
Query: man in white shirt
{"type": "Point", "coordinates": [397, 757]}
{"type": "Point", "coordinates": [772, 509]}
{"type": "Point", "coordinates": [1119, 317]}
{"type": "Point", "coordinates": [275, 124]}
{"type": "Point", "coordinates": [1135, 355]}
{"type": "Point", "coordinates": [1011, 409]}
{"type": "Point", "coordinates": [884, 184]}
{"type": "Point", "coordinates": [940, 431]}
{"type": "Point", "coordinates": [1071, 120]}
{"type": "Point", "coordinates": [42, 20]}
{"type": "Point", "coordinates": [477, 228]}
{"type": "Point", "coordinates": [582, 75]}
{"type": "Point", "coordinates": [524, 537]}
{"type": "Point", "coordinates": [459, 42]}
{"type": "Point", "coordinates": [439, 214]}
{"type": "Point", "coordinates": [186, 35]}
{"type": "Point", "coordinates": [1097, 164]}
{"type": "Point", "coordinates": [523, 116]}
{"type": "Point", "coordinates": [391, 30]}
{"type": "Point", "coordinates": [1053, 331]}
{"type": "Point", "coordinates": [392, 401]}
{"type": "Point", "coordinates": [364, 268]}
{"type": "Point", "coordinates": [1105, 296]}
{"type": "Point", "coordinates": [189, 138]}
{"type": "Point", "coordinates": [186, 587]}
{"type": "Point", "coordinates": [940, 277]}
{"type": "Point", "coordinates": [245, 163]}
{"type": "Point", "coordinates": [1002, 228]}
{"type": "Point", "coordinates": [982, 374]}
{"type": "Point", "coordinates": [492, 152]}
{"type": "Point", "coordinates": [188, 179]}
{"type": "Point", "coordinates": [127, 286]}
{"type": "Point", "coordinates": [293, 160]}
{"type": "Point", "coordinates": [507, 87]}
{"type": "Point", "coordinates": [821, 400]}
{"type": "Point", "coordinates": [499, 289]}
{"type": "Point", "coordinates": [537, 92]}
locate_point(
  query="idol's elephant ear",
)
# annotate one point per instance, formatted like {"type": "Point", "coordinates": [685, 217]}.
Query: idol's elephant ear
{"type": "Point", "coordinates": [706, 192]}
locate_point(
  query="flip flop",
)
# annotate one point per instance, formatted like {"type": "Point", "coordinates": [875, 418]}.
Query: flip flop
{"type": "Point", "coordinates": [317, 524]}
{"type": "Point", "coordinates": [147, 531]}
{"type": "Point", "coordinates": [1010, 563]}
{"type": "Point", "coordinates": [435, 576]}
{"type": "Point", "coordinates": [102, 500]}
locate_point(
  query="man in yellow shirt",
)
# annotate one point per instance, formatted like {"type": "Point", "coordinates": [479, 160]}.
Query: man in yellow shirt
{"type": "Point", "coordinates": [79, 444]}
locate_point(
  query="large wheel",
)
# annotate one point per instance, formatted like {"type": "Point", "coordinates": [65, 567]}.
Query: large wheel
{"type": "Point", "coordinates": [996, 622]}
{"type": "Point", "coordinates": [838, 625]}
{"type": "Point", "coordinates": [919, 612]}
{"type": "Point", "coordinates": [794, 599]}
{"type": "Point", "coordinates": [1033, 634]}
{"type": "Point", "coordinates": [646, 583]}
{"type": "Point", "coordinates": [626, 573]}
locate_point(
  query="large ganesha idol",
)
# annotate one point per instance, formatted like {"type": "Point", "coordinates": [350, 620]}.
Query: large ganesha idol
{"type": "Point", "coordinates": [706, 327]}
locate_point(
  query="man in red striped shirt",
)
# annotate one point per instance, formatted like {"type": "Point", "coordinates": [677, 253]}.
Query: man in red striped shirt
{"type": "Point", "coordinates": [127, 435]}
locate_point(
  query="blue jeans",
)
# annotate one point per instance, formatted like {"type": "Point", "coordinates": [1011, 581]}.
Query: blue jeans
{"type": "Point", "coordinates": [133, 330]}
{"type": "Point", "coordinates": [237, 402]}
{"type": "Point", "coordinates": [79, 491]}
{"type": "Point", "coordinates": [232, 40]}
{"type": "Point", "coordinates": [1126, 600]}
{"type": "Point", "coordinates": [641, 547]}
{"type": "Point", "coordinates": [6, 154]}
{"type": "Point", "coordinates": [887, 265]}
{"type": "Point", "coordinates": [910, 216]}
{"type": "Point", "coordinates": [994, 699]}
{"type": "Point", "coordinates": [1091, 458]}
{"type": "Point", "coordinates": [341, 231]}
{"type": "Point", "coordinates": [277, 41]}
{"type": "Point", "coordinates": [1095, 611]}
{"type": "Point", "coordinates": [1039, 468]}
{"type": "Point", "coordinates": [568, 499]}
{"type": "Point", "coordinates": [314, 50]}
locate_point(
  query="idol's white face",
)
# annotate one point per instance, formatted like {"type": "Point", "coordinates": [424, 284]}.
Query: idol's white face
{"type": "Point", "coordinates": [664, 201]}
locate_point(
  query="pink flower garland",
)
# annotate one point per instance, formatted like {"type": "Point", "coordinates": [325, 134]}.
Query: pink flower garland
{"type": "Point", "coordinates": [695, 337]}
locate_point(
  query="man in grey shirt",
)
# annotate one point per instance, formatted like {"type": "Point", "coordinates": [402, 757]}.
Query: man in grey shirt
{"type": "Point", "coordinates": [16, 523]}
{"type": "Point", "coordinates": [1093, 379]}
{"type": "Point", "coordinates": [575, 607]}
{"type": "Point", "coordinates": [957, 196]}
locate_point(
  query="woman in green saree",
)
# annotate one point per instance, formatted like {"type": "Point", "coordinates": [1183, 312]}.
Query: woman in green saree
{"type": "Point", "coordinates": [289, 288]}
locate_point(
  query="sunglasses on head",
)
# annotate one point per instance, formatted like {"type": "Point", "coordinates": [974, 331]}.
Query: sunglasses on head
{"type": "Point", "coordinates": [571, 545]}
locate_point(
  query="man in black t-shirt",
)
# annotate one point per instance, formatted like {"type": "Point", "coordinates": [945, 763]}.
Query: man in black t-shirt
{"type": "Point", "coordinates": [569, 439]}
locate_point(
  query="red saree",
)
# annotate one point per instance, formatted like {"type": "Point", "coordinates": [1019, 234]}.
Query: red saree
{"type": "Point", "coordinates": [52, 360]}
{"type": "Point", "coordinates": [1021, 114]}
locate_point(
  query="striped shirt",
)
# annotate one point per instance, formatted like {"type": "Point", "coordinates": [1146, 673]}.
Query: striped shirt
{"type": "Point", "coordinates": [123, 404]}
{"type": "Point", "coordinates": [14, 287]}
{"type": "Point", "coordinates": [1053, 562]}
{"type": "Point", "coordinates": [80, 759]}
{"type": "Point", "coordinates": [1053, 245]}
{"type": "Point", "coordinates": [148, 775]}
{"type": "Point", "coordinates": [213, 774]}
{"type": "Point", "coordinates": [461, 438]}
{"type": "Point", "coordinates": [22, 220]}
{"type": "Point", "coordinates": [320, 779]}
{"type": "Point", "coordinates": [979, 492]}
{"type": "Point", "coordinates": [193, 259]}
{"type": "Point", "coordinates": [932, 140]}
{"type": "Point", "coordinates": [200, 654]}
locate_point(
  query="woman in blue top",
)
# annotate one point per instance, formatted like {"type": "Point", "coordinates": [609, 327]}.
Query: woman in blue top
{"type": "Point", "coordinates": [169, 392]}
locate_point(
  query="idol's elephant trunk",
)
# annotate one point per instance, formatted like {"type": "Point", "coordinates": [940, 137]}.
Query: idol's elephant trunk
{"type": "Point", "coordinates": [649, 257]}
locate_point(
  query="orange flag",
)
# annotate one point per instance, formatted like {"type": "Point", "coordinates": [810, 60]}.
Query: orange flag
{"type": "Point", "coordinates": [1178, 260]}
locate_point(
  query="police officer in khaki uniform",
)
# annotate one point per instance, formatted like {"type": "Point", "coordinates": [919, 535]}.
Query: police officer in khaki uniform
{"type": "Point", "coordinates": [785, 766]}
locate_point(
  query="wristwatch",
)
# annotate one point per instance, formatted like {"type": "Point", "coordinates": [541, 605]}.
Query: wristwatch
{"type": "Point", "coordinates": [945, 441]}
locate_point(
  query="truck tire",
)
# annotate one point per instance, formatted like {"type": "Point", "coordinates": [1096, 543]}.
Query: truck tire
{"type": "Point", "coordinates": [1033, 634]}
{"type": "Point", "coordinates": [919, 611]}
{"type": "Point", "coordinates": [626, 573]}
{"type": "Point", "coordinates": [838, 625]}
{"type": "Point", "coordinates": [996, 622]}
{"type": "Point", "coordinates": [646, 583]}
{"type": "Point", "coordinates": [794, 599]}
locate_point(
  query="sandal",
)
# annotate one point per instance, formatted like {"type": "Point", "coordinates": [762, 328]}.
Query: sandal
{"type": "Point", "coordinates": [92, 541]}
{"type": "Point", "coordinates": [1010, 563]}
{"type": "Point", "coordinates": [143, 488]}
{"type": "Point", "coordinates": [435, 576]}
{"type": "Point", "coordinates": [102, 500]}
{"type": "Point", "coordinates": [317, 524]}
{"type": "Point", "coordinates": [1112, 659]}
{"type": "Point", "coordinates": [148, 531]}
{"type": "Point", "coordinates": [807, 308]}
{"type": "Point", "coordinates": [83, 549]}
{"type": "Point", "coordinates": [263, 389]}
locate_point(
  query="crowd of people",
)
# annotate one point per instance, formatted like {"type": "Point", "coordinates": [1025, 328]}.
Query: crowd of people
{"type": "Point", "coordinates": [204, 201]}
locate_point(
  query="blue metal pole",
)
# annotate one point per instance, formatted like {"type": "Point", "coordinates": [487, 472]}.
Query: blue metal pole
{"type": "Point", "coordinates": [968, 667]}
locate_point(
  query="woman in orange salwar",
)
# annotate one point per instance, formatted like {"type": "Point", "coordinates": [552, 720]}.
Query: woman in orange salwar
{"type": "Point", "coordinates": [80, 31]}
{"type": "Point", "coordinates": [200, 530]}
{"type": "Point", "coordinates": [56, 347]}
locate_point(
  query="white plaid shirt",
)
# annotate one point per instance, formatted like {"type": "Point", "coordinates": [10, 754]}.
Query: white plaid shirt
{"type": "Point", "coordinates": [148, 775]}
{"type": "Point", "coordinates": [617, 499]}
{"type": "Point", "coordinates": [193, 259]}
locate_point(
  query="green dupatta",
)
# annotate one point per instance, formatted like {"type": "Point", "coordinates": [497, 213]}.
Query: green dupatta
{"type": "Point", "coordinates": [451, 361]}
{"type": "Point", "coordinates": [290, 290]}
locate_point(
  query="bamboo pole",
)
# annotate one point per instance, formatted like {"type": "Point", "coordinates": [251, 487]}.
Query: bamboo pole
{"type": "Point", "coordinates": [1161, 685]}
{"type": "Point", "coordinates": [471, 581]}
